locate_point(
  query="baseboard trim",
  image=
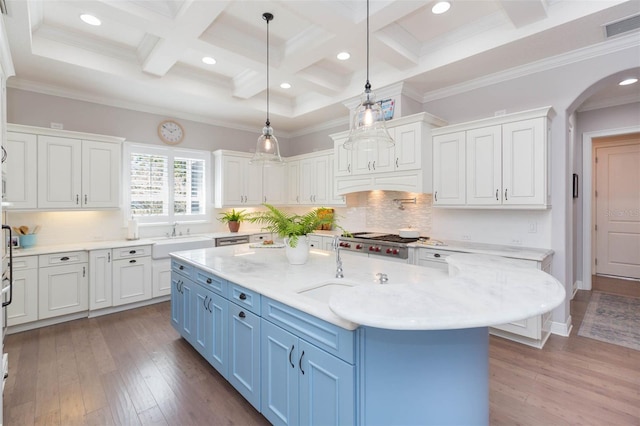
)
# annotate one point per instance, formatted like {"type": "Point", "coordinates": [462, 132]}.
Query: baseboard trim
{"type": "Point", "coordinates": [114, 309]}
{"type": "Point", "coordinates": [577, 285]}
{"type": "Point", "coordinates": [562, 329]}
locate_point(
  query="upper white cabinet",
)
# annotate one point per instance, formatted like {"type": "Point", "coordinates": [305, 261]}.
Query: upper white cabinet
{"type": "Point", "coordinates": [498, 162]}
{"type": "Point", "coordinates": [274, 185]}
{"type": "Point", "coordinates": [311, 179]}
{"type": "Point", "coordinates": [237, 183]}
{"type": "Point", "coordinates": [404, 167]}
{"type": "Point", "coordinates": [22, 186]}
{"type": "Point", "coordinates": [54, 169]}
{"type": "Point", "coordinates": [293, 182]}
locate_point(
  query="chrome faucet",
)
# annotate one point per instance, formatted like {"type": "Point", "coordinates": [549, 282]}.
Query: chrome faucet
{"type": "Point", "coordinates": [382, 278]}
{"type": "Point", "coordinates": [336, 247]}
{"type": "Point", "coordinates": [173, 231]}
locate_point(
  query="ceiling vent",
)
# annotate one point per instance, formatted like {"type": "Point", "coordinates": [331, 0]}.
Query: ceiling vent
{"type": "Point", "coordinates": [623, 26]}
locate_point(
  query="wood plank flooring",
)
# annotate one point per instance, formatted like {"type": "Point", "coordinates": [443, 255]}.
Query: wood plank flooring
{"type": "Point", "coordinates": [132, 368]}
{"type": "Point", "coordinates": [614, 285]}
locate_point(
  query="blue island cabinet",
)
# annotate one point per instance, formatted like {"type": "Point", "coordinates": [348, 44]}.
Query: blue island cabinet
{"type": "Point", "coordinates": [181, 296]}
{"type": "Point", "coordinates": [210, 313]}
{"type": "Point", "coordinates": [301, 383]}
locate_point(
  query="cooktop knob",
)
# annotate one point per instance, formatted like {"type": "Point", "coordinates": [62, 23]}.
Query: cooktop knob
{"type": "Point", "coordinates": [396, 251]}
{"type": "Point", "coordinates": [358, 246]}
{"type": "Point", "coordinates": [377, 249]}
{"type": "Point", "coordinates": [389, 251]}
{"type": "Point", "coordinates": [371, 248]}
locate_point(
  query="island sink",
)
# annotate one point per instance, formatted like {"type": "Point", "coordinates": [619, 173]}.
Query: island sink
{"type": "Point", "coordinates": [323, 292]}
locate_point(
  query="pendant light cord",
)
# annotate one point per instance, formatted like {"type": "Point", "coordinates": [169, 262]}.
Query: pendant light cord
{"type": "Point", "coordinates": [267, 17]}
{"type": "Point", "coordinates": [367, 85]}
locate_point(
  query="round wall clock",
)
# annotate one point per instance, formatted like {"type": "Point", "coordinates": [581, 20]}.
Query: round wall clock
{"type": "Point", "coordinates": [170, 132]}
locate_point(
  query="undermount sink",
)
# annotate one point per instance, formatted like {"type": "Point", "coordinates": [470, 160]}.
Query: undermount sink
{"type": "Point", "coordinates": [323, 292]}
{"type": "Point", "coordinates": [163, 246]}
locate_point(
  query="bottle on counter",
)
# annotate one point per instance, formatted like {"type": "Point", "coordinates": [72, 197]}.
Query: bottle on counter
{"type": "Point", "coordinates": [132, 231]}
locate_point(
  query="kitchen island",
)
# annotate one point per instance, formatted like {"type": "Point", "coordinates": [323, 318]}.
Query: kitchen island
{"type": "Point", "coordinates": [305, 347]}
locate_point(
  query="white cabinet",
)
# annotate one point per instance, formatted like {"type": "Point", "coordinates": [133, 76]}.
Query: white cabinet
{"type": "Point", "coordinates": [314, 180]}
{"type": "Point", "coordinates": [497, 162]}
{"type": "Point", "coordinates": [63, 284]}
{"type": "Point", "coordinates": [237, 182]}
{"type": "Point", "coordinates": [73, 173]}
{"type": "Point", "coordinates": [22, 171]}
{"type": "Point", "coordinates": [24, 304]}
{"type": "Point", "coordinates": [293, 182]}
{"type": "Point", "coordinates": [334, 199]}
{"type": "Point", "coordinates": [100, 279]}
{"type": "Point", "coordinates": [274, 184]}
{"type": "Point", "coordinates": [404, 167]}
{"type": "Point", "coordinates": [161, 280]}
{"type": "Point", "coordinates": [131, 275]}
{"type": "Point", "coordinates": [449, 169]}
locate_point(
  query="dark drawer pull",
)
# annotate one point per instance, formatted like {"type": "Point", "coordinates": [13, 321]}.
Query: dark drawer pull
{"type": "Point", "coordinates": [132, 252]}
{"type": "Point", "coordinates": [64, 259]}
{"type": "Point", "coordinates": [242, 314]}
{"type": "Point", "coordinates": [243, 296]}
{"type": "Point", "coordinates": [132, 261]}
{"type": "Point", "coordinates": [208, 280]}
{"type": "Point", "coordinates": [436, 255]}
{"type": "Point", "coordinates": [181, 267]}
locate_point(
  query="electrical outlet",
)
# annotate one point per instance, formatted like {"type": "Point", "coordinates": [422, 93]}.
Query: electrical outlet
{"type": "Point", "coordinates": [466, 237]}
{"type": "Point", "coordinates": [516, 241]}
{"type": "Point", "coordinates": [533, 227]}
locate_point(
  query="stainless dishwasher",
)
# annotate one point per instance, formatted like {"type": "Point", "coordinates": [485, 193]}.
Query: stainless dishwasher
{"type": "Point", "coordinates": [231, 241]}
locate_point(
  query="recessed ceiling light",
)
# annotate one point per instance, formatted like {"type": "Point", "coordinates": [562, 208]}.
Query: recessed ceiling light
{"type": "Point", "coordinates": [285, 85]}
{"type": "Point", "coordinates": [628, 81]}
{"type": "Point", "coordinates": [90, 19]}
{"type": "Point", "coordinates": [440, 7]}
{"type": "Point", "coordinates": [208, 60]}
{"type": "Point", "coordinates": [343, 56]}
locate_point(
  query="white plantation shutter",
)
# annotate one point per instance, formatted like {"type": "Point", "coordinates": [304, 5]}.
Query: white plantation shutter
{"type": "Point", "coordinates": [166, 184]}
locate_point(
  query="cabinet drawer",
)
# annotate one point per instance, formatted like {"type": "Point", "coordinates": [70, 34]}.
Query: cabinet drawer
{"type": "Point", "coordinates": [181, 268]}
{"type": "Point", "coordinates": [211, 282]}
{"type": "Point", "coordinates": [63, 258]}
{"type": "Point", "coordinates": [27, 262]}
{"type": "Point", "coordinates": [333, 339]}
{"type": "Point", "coordinates": [246, 298]}
{"type": "Point", "coordinates": [127, 252]}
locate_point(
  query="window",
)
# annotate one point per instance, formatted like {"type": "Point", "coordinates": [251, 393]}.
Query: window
{"type": "Point", "coordinates": [166, 184]}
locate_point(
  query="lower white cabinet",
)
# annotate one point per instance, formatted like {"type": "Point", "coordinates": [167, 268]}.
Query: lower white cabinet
{"type": "Point", "coordinates": [100, 279]}
{"type": "Point", "coordinates": [24, 302]}
{"type": "Point", "coordinates": [161, 280]}
{"type": "Point", "coordinates": [131, 275]}
{"type": "Point", "coordinates": [63, 284]}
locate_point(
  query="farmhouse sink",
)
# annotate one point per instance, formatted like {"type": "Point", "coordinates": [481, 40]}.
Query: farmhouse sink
{"type": "Point", "coordinates": [323, 292]}
{"type": "Point", "coordinates": [163, 246]}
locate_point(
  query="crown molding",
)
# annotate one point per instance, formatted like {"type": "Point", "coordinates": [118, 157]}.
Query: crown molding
{"type": "Point", "coordinates": [607, 103]}
{"type": "Point", "coordinates": [579, 55]}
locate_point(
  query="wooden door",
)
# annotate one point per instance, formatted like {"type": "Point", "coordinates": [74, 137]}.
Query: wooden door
{"type": "Point", "coordinates": [618, 210]}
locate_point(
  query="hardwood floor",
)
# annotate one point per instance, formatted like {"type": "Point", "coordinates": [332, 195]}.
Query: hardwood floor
{"type": "Point", "coordinates": [615, 285]}
{"type": "Point", "coordinates": [132, 368]}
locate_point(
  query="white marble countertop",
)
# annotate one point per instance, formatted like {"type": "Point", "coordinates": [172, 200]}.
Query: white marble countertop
{"type": "Point", "coordinates": [414, 298]}
{"type": "Point", "coordinates": [516, 252]}
{"type": "Point", "coordinates": [98, 245]}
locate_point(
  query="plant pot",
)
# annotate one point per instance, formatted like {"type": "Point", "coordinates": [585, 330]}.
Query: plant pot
{"type": "Point", "coordinates": [233, 226]}
{"type": "Point", "coordinates": [299, 254]}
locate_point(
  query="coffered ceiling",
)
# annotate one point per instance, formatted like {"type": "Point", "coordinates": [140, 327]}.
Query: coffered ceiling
{"type": "Point", "coordinates": [147, 54]}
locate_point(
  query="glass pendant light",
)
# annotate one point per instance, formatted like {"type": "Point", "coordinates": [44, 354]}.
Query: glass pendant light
{"type": "Point", "coordinates": [368, 130]}
{"type": "Point", "coordinates": [267, 149]}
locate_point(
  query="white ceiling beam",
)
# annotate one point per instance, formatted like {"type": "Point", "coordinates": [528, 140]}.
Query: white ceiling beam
{"type": "Point", "coordinates": [524, 12]}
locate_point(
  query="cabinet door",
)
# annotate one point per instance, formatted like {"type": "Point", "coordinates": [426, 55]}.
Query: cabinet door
{"type": "Point", "coordinates": [202, 320]}
{"type": "Point", "coordinates": [334, 199]}
{"type": "Point", "coordinates": [341, 159]}
{"type": "Point", "coordinates": [279, 375]}
{"type": "Point", "coordinates": [100, 279]}
{"type": "Point", "coordinates": [321, 192]}
{"type": "Point", "coordinates": [449, 169]}
{"type": "Point", "coordinates": [307, 180]}
{"type": "Point", "coordinates": [131, 280]}
{"type": "Point", "coordinates": [59, 172]}
{"type": "Point", "coordinates": [217, 356]}
{"type": "Point", "coordinates": [274, 187]}
{"type": "Point", "coordinates": [177, 304]}
{"type": "Point", "coordinates": [361, 162]}
{"type": "Point", "coordinates": [408, 148]}
{"type": "Point", "coordinates": [293, 182]}
{"type": "Point", "coordinates": [62, 290]}
{"type": "Point", "coordinates": [100, 174]}
{"type": "Point", "coordinates": [187, 287]}
{"type": "Point", "coordinates": [383, 159]}
{"type": "Point", "coordinates": [22, 171]}
{"type": "Point", "coordinates": [484, 166]}
{"type": "Point", "coordinates": [315, 241]}
{"type": "Point", "coordinates": [327, 393]}
{"type": "Point", "coordinates": [24, 305]}
{"type": "Point", "coordinates": [233, 176]}
{"type": "Point", "coordinates": [523, 165]}
{"type": "Point", "coordinates": [253, 183]}
{"type": "Point", "coordinates": [161, 279]}
{"type": "Point", "coordinates": [244, 353]}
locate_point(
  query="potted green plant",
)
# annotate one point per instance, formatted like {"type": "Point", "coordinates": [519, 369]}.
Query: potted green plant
{"type": "Point", "coordinates": [233, 219]}
{"type": "Point", "coordinates": [293, 228]}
